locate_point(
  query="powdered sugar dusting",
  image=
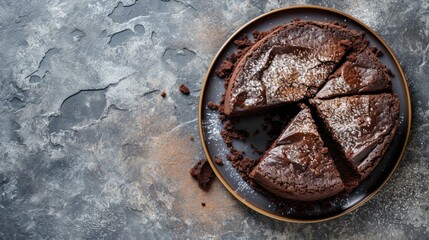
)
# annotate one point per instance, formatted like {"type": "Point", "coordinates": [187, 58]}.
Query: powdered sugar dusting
{"type": "Point", "coordinates": [358, 122]}
{"type": "Point", "coordinates": [212, 124]}
{"type": "Point", "coordinates": [288, 66]}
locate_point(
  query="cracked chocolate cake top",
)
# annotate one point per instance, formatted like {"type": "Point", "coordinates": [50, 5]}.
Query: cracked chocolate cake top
{"type": "Point", "coordinates": [298, 165]}
{"type": "Point", "coordinates": [287, 65]}
{"type": "Point", "coordinates": [359, 124]}
{"type": "Point", "coordinates": [363, 72]}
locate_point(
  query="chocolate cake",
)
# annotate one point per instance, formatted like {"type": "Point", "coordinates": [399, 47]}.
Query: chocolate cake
{"type": "Point", "coordinates": [361, 73]}
{"type": "Point", "coordinates": [298, 165]}
{"type": "Point", "coordinates": [332, 68]}
{"type": "Point", "coordinates": [361, 125]}
{"type": "Point", "coordinates": [287, 65]}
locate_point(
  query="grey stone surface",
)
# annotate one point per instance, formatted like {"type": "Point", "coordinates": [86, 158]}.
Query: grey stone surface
{"type": "Point", "coordinates": [88, 148]}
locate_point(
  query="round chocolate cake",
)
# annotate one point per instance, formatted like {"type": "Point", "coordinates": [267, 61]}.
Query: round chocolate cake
{"type": "Point", "coordinates": [343, 90]}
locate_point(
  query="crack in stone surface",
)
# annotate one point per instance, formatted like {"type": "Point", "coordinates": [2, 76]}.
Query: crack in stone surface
{"type": "Point", "coordinates": [150, 92]}
{"type": "Point", "coordinates": [42, 64]}
{"type": "Point", "coordinates": [125, 9]}
{"type": "Point", "coordinates": [124, 13]}
{"type": "Point", "coordinates": [77, 35]}
{"type": "Point", "coordinates": [258, 3]}
{"type": "Point", "coordinates": [3, 181]}
{"type": "Point", "coordinates": [153, 38]}
{"type": "Point", "coordinates": [181, 125]}
{"type": "Point", "coordinates": [120, 37]}
{"type": "Point", "coordinates": [82, 108]}
{"type": "Point", "coordinates": [186, 4]}
{"type": "Point", "coordinates": [425, 57]}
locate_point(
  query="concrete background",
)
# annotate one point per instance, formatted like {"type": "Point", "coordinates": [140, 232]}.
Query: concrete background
{"type": "Point", "coordinates": [88, 148]}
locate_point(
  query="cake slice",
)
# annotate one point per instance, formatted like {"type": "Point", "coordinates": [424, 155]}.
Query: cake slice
{"type": "Point", "coordinates": [298, 166]}
{"type": "Point", "coordinates": [362, 73]}
{"type": "Point", "coordinates": [288, 65]}
{"type": "Point", "coordinates": [362, 125]}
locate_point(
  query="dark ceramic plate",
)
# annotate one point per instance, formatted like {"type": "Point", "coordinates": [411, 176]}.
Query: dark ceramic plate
{"type": "Point", "coordinates": [210, 125]}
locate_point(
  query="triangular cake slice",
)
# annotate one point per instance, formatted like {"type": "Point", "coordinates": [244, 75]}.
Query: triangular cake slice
{"type": "Point", "coordinates": [362, 125]}
{"type": "Point", "coordinates": [362, 73]}
{"type": "Point", "coordinates": [288, 65]}
{"type": "Point", "coordinates": [298, 165]}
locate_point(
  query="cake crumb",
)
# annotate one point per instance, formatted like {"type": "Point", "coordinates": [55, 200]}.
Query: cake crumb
{"type": "Point", "coordinates": [163, 94]}
{"type": "Point", "coordinates": [259, 35]}
{"type": "Point", "coordinates": [376, 51]}
{"type": "Point", "coordinates": [184, 89]}
{"type": "Point", "coordinates": [243, 42]}
{"type": "Point", "coordinates": [203, 173]}
{"type": "Point", "coordinates": [212, 105]}
{"type": "Point", "coordinates": [225, 69]}
{"type": "Point", "coordinates": [191, 138]}
{"type": "Point", "coordinates": [203, 204]}
{"type": "Point", "coordinates": [218, 161]}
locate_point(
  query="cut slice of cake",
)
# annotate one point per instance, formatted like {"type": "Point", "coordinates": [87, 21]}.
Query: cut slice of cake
{"type": "Point", "coordinates": [362, 125]}
{"type": "Point", "coordinates": [362, 73]}
{"type": "Point", "coordinates": [298, 165]}
{"type": "Point", "coordinates": [288, 65]}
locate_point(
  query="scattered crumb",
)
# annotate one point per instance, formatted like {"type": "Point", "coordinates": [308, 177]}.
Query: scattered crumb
{"type": "Point", "coordinates": [213, 105]}
{"type": "Point", "coordinates": [259, 35]}
{"type": "Point", "coordinates": [389, 71]}
{"type": "Point", "coordinates": [191, 138]}
{"type": "Point", "coordinates": [228, 135]}
{"type": "Point", "coordinates": [184, 89]}
{"type": "Point", "coordinates": [225, 69]}
{"type": "Point", "coordinates": [244, 165]}
{"type": "Point", "coordinates": [203, 204]}
{"type": "Point", "coordinates": [218, 161]}
{"type": "Point", "coordinates": [243, 42]}
{"type": "Point", "coordinates": [324, 150]}
{"type": "Point", "coordinates": [163, 94]}
{"type": "Point", "coordinates": [203, 173]}
{"type": "Point", "coordinates": [376, 51]}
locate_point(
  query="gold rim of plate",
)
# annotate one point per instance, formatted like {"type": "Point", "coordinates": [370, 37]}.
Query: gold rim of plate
{"type": "Point", "coordinates": [226, 184]}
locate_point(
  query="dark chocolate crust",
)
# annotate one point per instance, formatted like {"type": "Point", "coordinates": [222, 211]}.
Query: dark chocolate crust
{"type": "Point", "coordinates": [362, 125]}
{"type": "Point", "coordinates": [287, 65]}
{"type": "Point", "coordinates": [298, 165]}
{"type": "Point", "coordinates": [362, 73]}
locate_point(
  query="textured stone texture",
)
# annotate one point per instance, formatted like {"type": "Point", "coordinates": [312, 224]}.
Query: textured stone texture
{"type": "Point", "coordinates": [89, 149]}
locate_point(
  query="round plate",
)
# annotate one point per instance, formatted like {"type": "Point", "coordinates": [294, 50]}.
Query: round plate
{"type": "Point", "coordinates": [210, 125]}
